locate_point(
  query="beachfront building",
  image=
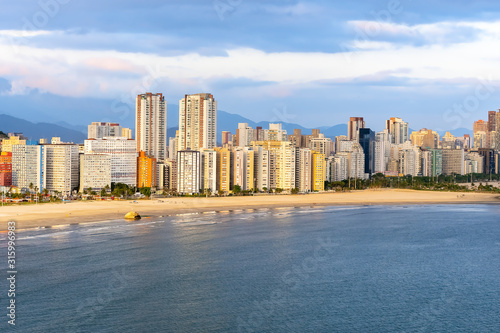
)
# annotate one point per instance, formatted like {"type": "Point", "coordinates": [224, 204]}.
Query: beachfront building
{"type": "Point", "coordinates": [243, 168]}
{"type": "Point", "coordinates": [28, 166]}
{"type": "Point", "coordinates": [123, 157]}
{"type": "Point", "coordinates": [453, 161]}
{"type": "Point", "coordinates": [146, 170]}
{"type": "Point", "coordinates": [244, 135]}
{"type": "Point", "coordinates": [281, 163]}
{"type": "Point", "coordinates": [95, 172]}
{"type": "Point", "coordinates": [318, 170]}
{"type": "Point", "coordinates": [197, 122]}
{"type": "Point", "coordinates": [339, 167]}
{"type": "Point", "coordinates": [303, 169]}
{"type": "Point", "coordinates": [261, 168]}
{"type": "Point", "coordinates": [381, 151]}
{"type": "Point", "coordinates": [6, 169]}
{"type": "Point", "coordinates": [188, 171]}
{"type": "Point", "coordinates": [151, 125]}
{"type": "Point", "coordinates": [62, 167]}
{"type": "Point", "coordinates": [224, 170]}
{"type": "Point", "coordinates": [209, 170]}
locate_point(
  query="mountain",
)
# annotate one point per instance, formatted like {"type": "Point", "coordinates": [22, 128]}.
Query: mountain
{"type": "Point", "coordinates": [35, 131]}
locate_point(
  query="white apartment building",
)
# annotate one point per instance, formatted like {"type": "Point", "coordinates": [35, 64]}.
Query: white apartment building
{"type": "Point", "coordinates": [123, 154]}
{"type": "Point", "coordinates": [28, 166]}
{"type": "Point", "coordinates": [188, 172]}
{"type": "Point", "coordinates": [197, 122]}
{"type": "Point", "coordinates": [209, 170]}
{"type": "Point", "coordinates": [95, 171]}
{"type": "Point", "coordinates": [151, 125]}
{"type": "Point", "coordinates": [62, 167]}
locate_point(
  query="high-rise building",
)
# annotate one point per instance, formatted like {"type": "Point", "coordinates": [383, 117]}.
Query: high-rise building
{"type": "Point", "coordinates": [318, 171]}
{"type": "Point", "coordinates": [123, 157]}
{"type": "Point", "coordinates": [197, 122]}
{"type": "Point", "coordinates": [224, 169]}
{"type": "Point", "coordinates": [62, 167]}
{"type": "Point", "coordinates": [261, 168]}
{"type": "Point", "coordinates": [227, 138]}
{"type": "Point", "coordinates": [188, 171]}
{"type": "Point", "coordinates": [322, 145]}
{"type": "Point", "coordinates": [425, 138]}
{"type": "Point", "coordinates": [367, 142]}
{"type": "Point", "coordinates": [244, 135]}
{"type": "Point", "coordinates": [100, 130]}
{"type": "Point", "coordinates": [15, 140]}
{"type": "Point", "coordinates": [453, 161]}
{"type": "Point", "coordinates": [6, 169]}
{"type": "Point", "coordinates": [474, 163]}
{"type": "Point", "coordinates": [489, 166]}
{"type": "Point", "coordinates": [126, 133]}
{"type": "Point", "coordinates": [356, 162]}
{"type": "Point", "coordinates": [243, 168]}
{"type": "Point", "coordinates": [355, 123]}
{"type": "Point", "coordinates": [410, 160]}
{"type": "Point", "coordinates": [276, 133]}
{"type": "Point", "coordinates": [399, 130]}
{"type": "Point", "coordinates": [339, 167]}
{"type": "Point", "coordinates": [209, 170]}
{"type": "Point", "coordinates": [95, 171]}
{"type": "Point", "coordinates": [303, 169]}
{"type": "Point", "coordinates": [28, 166]}
{"type": "Point", "coordinates": [151, 125]}
{"type": "Point", "coordinates": [281, 163]}
{"type": "Point", "coordinates": [382, 151]}
{"type": "Point", "coordinates": [146, 170]}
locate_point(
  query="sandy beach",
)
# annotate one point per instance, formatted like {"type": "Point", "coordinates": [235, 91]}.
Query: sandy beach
{"type": "Point", "coordinates": [52, 214]}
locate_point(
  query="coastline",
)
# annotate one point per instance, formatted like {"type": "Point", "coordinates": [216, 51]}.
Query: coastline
{"type": "Point", "coordinates": [53, 214]}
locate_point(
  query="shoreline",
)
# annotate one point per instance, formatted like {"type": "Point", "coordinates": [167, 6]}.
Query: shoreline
{"type": "Point", "coordinates": [60, 214]}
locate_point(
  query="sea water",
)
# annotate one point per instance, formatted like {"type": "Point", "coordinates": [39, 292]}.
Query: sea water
{"type": "Point", "coordinates": [432, 268]}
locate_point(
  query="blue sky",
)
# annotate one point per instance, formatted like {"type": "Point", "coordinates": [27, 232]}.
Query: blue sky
{"type": "Point", "coordinates": [310, 62]}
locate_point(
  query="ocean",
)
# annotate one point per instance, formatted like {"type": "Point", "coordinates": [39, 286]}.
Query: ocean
{"type": "Point", "coordinates": [423, 268]}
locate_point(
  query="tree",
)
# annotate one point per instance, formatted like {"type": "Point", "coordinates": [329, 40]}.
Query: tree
{"type": "Point", "coordinates": [295, 190]}
{"type": "Point", "coordinates": [103, 192]}
{"type": "Point", "coordinates": [237, 189]}
{"type": "Point", "coordinates": [264, 189]}
{"type": "Point", "coordinates": [146, 191]}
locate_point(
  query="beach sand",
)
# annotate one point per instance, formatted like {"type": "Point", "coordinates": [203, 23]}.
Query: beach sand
{"type": "Point", "coordinates": [52, 214]}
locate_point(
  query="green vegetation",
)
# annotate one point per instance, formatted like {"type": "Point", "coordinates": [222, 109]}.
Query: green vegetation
{"type": "Point", "coordinates": [440, 183]}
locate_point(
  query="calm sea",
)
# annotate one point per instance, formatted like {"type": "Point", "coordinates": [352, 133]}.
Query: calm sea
{"type": "Point", "coordinates": [327, 269]}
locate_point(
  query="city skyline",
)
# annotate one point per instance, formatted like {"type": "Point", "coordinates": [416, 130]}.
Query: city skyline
{"type": "Point", "coordinates": [427, 63]}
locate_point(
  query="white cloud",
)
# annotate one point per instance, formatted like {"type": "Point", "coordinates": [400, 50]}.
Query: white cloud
{"type": "Point", "coordinates": [112, 73]}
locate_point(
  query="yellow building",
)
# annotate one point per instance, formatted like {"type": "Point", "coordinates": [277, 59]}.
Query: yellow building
{"type": "Point", "coordinates": [13, 140]}
{"type": "Point", "coordinates": [224, 178]}
{"type": "Point", "coordinates": [281, 163]}
{"type": "Point", "coordinates": [146, 170]}
{"type": "Point", "coordinates": [318, 169]}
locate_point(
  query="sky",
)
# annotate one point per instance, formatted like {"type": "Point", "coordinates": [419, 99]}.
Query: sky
{"type": "Point", "coordinates": [316, 63]}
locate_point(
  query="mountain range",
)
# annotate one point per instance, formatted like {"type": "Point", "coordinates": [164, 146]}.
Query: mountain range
{"type": "Point", "coordinates": [226, 122]}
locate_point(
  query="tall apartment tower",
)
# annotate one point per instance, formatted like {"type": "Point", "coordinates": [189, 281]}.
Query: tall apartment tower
{"type": "Point", "coordinates": [399, 130]}
{"type": "Point", "coordinates": [355, 123]}
{"type": "Point", "coordinates": [197, 122]}
{"type": "Point", "coordinates": [151, 125]}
